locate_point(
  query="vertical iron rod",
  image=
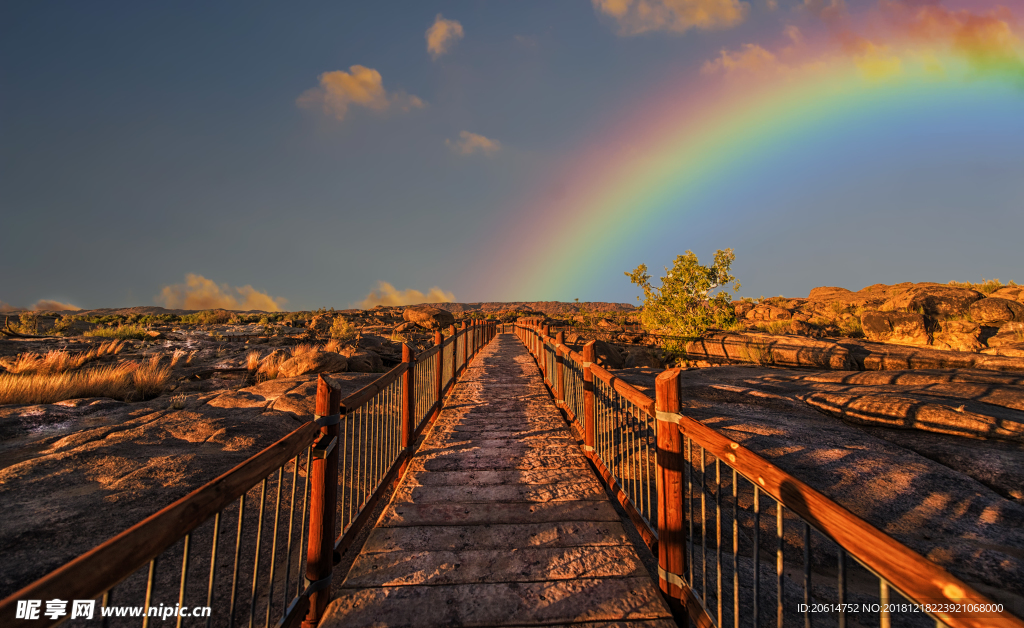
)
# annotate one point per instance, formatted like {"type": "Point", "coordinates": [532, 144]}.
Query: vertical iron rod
{"type": "Point", "coordinates": [184, 576]}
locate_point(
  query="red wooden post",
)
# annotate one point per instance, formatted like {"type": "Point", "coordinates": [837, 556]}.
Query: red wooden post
{"type": "Point", "coordinates": [671, 514]}
{"type": "Point", "coordinates": [465, 346]}
{"type": "Point", "coordinates": [589, 429]}
{"type": "Point", "coordinates": [439, 382]}
{"type": "Point", "coordinates": [323, 477]}
{"type": "Point", "coordinates": [408, 398]}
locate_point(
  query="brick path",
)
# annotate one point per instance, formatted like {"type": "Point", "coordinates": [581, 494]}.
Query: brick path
{"type": "Point", "coordinates": [499, 521]}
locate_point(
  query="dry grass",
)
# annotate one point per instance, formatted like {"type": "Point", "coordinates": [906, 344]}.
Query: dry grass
{"type": "Point", "coordinates": [302, 349]}
{"type": "Point", "coordinates": [270, 367]}
{"type": "Point", "coordinates": [986, 287]}
{"type": "Point", "coordinates": [128, 381]}
{"type": "Point", "coordinates": [333, 345]}
{"type": "Point", "coordinates": [123, 332]}
{"type": "Point", "coordinates": [774, 327]}
{"type": "Point", "coordinates": [252, 360]}
{"type": "Point", "coordinates": [61, 360]}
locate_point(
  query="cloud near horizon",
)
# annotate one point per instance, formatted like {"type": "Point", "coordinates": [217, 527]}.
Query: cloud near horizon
{"type": "Point", "coordinates": [386, 294]}
{"type": "Point", "coordinates": [442, 35]}
{"type": "Point", "coordinates": [469, 143]}
{"type": "Point", "coordinates": [640, 16]}
{"type": "Point", "coordinates": [360, 86]}
{"type": "Point", "coordinates": [53, 306]}
{"type": "Point", "coordinates": [200, 293]}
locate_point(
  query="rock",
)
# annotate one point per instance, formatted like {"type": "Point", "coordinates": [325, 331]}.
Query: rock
{"type": "Point", "coordinates": [934, 300]}
{"type": "Point", "coordinates": [799, 327]}
{"type": "Point", "coordinates": [428, 317]}
{"type": "Point", "coordinates": [406, 327]}
{"type": "Point", "coordinates": [769, 349]}
{"type": "Point", "coordinates": [1013, 293]}
{"type": "Point", "coordinates": [996, 311]}
{"type": "Point", "coordinates": [906, 328]}
{"type": "Point", "coordinates": [608, 355]}
{"type": "Point", "coordinates": [363, 361]}
{"type": "Point", "coordinates": [768, 313]}
{"type": "Point", "coordinates": [643, 357]}
{"type": "Point", "coordinates": [1009, 333]}
{"type": "Point", "coordinates": [1010, 350]}
{"type": "Point", "coordinates": [607, 325]}
{"type": "Point", "coordinates": [740, 308]}
{"type": "Point", "coordinates": [154, 335]}
{"type": "Point", "coordinates": [315, 361]}
{"type": "Point", "coordinates": [957, 336]}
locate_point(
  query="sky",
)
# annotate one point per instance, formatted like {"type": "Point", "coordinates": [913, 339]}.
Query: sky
{"type": "Point", "coordinates": [303, 155]}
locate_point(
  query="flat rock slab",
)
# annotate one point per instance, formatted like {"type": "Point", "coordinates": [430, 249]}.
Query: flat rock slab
{"type": "Point", "coordinates": [499, 521]}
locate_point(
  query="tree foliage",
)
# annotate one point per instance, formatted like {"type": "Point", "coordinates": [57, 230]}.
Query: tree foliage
{"type": "Point", "coordinates": [683, 305]}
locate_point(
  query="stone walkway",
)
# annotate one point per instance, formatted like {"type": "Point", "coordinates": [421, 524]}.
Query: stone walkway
{"type": "Point", "coordinates": [499, 522]}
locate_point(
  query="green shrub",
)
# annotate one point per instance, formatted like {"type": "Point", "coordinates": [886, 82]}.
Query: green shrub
{"type": "Point", "coordinates": [342, 330]}
{"type": "Point", "coordinates": [207, 317]}
{"type": "Point", "coordinates": [683, 306]}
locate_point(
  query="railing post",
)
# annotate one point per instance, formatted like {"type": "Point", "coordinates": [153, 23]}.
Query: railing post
{"type": "Point", "coordinates": [439, 376]}
{"type": "Point", "coordinates": [465, 347]}
{"type": "Point", "coordinates": [323, 477]}
{"type": "Point", "coordinates": [408, 398]}
{"type": "Point", "coordinates": [559, 372]}
{"type": "Point", "coordinates": [589, 429]}
{"type": "Point", "coordinates": [671, 514]}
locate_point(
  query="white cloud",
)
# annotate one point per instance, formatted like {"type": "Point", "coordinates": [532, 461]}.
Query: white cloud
{"type": "Point", "coordinates": [359, 86]}
{"type": "Point", "coordinates": [469, 143]}
{"type": "Point", "coordinates": [442, 35]}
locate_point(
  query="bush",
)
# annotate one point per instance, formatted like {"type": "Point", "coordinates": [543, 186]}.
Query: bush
{"type": "Point", "coordinates": [207, 317]}
{"type": "Point", "coordinates": [124, 332]}
{"type": "Point", "coordinates": [682, 306]}
{"type": "Point", "coordinates": [342, 330]}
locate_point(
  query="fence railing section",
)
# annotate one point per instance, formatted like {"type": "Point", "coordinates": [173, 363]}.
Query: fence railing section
{"type": "Point", "coordinates": [740, 541]}
{"type": "Point", "coordinates": [257, 544]}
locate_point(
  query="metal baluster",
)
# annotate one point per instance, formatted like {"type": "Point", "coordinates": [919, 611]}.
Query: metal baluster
{"type": "Point", "coordinates": [213, 564]}
{"type": "Point", "coordinates": [778, 559]}
{"type": "Point", "coordinates": [149, 591]}
{"type": "Point", "coordinates": [735, 551]}
{"type": "Point", "coordinates": [108, 597]}
{"type": "Point", "coordinates": [757, 554]}
{"type": "Point", "coordinates": [343, 462]}
{"type": "Point", "coordinates": [841, 587]}
{"type": "Point", "coordinates": [689, 506]}
{"type": "Point", "coordinates": [291, 527]}
{"type": "Point", "coordinates": [273, 545]}
{"type": "Point", "coordinates": [184, 576]}
{"type": "Point", "coordinates": [718, 536]}
{"type": "Point", "coordinates": [703, 528]}
{"type": "Point", "coordinates": [302, 526]}
{"type": "Point", "coordinates": [256, 563]}
{"type": "Point", "coordinates": [238, 548]}
{"type": "Point", "coordinates": [807, 575]}
{"type": "Point", "coordinates": [884, 620]}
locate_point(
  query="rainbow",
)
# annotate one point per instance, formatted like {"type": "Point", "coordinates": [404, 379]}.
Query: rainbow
{"type": "Point", "coordinates": [679, 144]}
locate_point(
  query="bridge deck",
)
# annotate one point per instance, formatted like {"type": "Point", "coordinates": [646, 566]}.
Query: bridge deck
{"type": "Point", "coordinates": [499, 521]}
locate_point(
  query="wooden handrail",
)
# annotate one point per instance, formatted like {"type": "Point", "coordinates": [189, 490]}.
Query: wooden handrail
{"type": "Point", "coordinates": [368, 392]}
{"type": "Point", "coordinates": [109, 563]}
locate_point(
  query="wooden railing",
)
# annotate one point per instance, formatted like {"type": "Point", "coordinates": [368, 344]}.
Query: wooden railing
{"type": "Point", "coordinates": [721, 519]}
{"type": "Point", "coordinates": [315, 488]}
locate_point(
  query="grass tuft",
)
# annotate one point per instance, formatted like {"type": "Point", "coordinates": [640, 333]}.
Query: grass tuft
{"type": "Point", "coordinates": [127, 381]}
{"type": "Point", "coordinates": [986, 287]}
{"type": "Point", "coordinates": [122, 332]}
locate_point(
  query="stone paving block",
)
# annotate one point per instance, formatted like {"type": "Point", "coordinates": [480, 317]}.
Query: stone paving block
{"type": "Point", "coordinates": [463, 463]}
{"type": "Point", "coordinates": [459, 478]}
{"type": "Point", "coordinates": [500, 512]}
{"type": "Point", "coordinates": [496, 536]}
{"type": "Point", "coordinates": [477, 494]}
{"type": "Point", "coordinates": [516, 565]}
{"type": "Point", "coordinates": [527, 603]}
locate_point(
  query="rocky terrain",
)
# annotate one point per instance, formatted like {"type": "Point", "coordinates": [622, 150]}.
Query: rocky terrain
{"type": "Point", "coordinates": [903, 403]}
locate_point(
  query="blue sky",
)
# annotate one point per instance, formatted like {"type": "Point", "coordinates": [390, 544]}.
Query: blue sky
{"type": "Point", "coordinates": [143, 142]}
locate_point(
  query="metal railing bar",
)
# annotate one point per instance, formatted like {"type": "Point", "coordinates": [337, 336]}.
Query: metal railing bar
{"type": "Point", "coordinates": [149, 591]}
{"type": "Point", "coordinates": [213, 565]}
{"type": "Point", "coordinates": [807, 575]}
{"type": "Point", "coordinates": [234, 575]}
{"type": "Point", "coordinates": [184, 576]}
{"type": "Point", "coordinates": [273, 547]}
{"type": "Point", "coordinates": [256, 562]}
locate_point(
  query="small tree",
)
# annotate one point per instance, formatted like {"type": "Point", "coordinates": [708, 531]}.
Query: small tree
{"type": "Point", "coordinates": [682, 306]}
{"type": "Point", "coordinates": [343, 330]}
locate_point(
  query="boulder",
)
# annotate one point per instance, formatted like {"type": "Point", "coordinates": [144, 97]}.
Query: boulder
{"type": "Point", "coordinates": [1009, 333]}
{"type": "Point", "coordinates": [905, 328]}
{"type": "Point", "coordinates": [362, 361]}
{"type": "Point", "coordinates": [428, 317]}
{"type": "Point", "coordinates": [740, 308]}
{"type": "Point", "coordinates": [641, 356]}
{"type": "Point", "coordinates": [406, 327]}
{"type": "Point", "coordinates": [957, 336]}
{"type": "Point", "coordinates": [1013, 293]}
{"type": "Point", "coordinates": [995, 311]}
{"type": "Point", "coordinates": [608, 355]}
{"type": "Point", "coordinates": [769, 349]}
{"type": "Point", "coordinates": [154, 335]}
{"type": "Point", "coordinates": [934, 300]}
{"type": "Point", "coordinates": [315, 361]}
{"type": "Point", "coordinates": [768, 313]}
